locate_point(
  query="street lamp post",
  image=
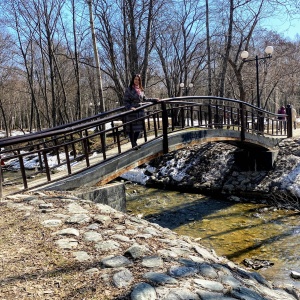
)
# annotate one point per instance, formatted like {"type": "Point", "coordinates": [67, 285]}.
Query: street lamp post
{"type": "Point", "coordinates": [245, 54]}
{"type": "Point", "coordinates": [186, 88]}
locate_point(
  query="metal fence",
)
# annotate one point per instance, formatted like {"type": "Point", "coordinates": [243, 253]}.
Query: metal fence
{"type": "Point", "coordinates": [35, 159]}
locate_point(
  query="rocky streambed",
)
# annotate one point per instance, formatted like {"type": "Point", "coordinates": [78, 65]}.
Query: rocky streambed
{"type": "Point", "coordinates": [211, 169]}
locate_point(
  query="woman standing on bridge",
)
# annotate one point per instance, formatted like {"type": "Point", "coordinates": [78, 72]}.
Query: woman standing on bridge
{"type": "Point", "coordinates": [133, 98]}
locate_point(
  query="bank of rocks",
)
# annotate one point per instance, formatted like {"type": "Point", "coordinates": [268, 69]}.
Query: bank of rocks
{"type": "Point", "coordinates": [211, 169]}
{"type": "Point", "coordinates": [120, 256]}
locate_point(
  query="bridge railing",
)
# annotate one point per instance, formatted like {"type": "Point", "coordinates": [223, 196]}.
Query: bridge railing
{"type": "Point", "coordinates": [35, 159]}
{"type": "Point", "coordinates": [214, 112]}
{"type": "Point", "coordinates": [67, 149]}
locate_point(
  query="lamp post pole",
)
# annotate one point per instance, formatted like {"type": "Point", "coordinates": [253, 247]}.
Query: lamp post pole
{"type": "Point", "coordinates": [245, 54]}
{"type": "Point", "coordinates": [257, 82]}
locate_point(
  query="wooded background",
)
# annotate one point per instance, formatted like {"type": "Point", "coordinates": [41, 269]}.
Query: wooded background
{"type": "Point", "coordinates": [63, 60]}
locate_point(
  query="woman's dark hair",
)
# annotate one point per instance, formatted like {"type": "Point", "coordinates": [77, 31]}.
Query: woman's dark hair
{"type": "Point", "coordinates": [140, 81]}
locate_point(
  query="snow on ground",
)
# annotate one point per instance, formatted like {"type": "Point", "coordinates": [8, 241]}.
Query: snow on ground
{"type": "Point", "coordinates": [31, 162]}
{"type": "Point", "coordinates": [137, 175]}
{"type": "Point", "coordinates": [291, 181]}
{"type": "Point", "coordinates": [14, 133]}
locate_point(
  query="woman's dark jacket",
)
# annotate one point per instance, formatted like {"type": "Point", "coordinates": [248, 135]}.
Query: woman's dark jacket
{"type": "Point", "coordinates": [133, 99]}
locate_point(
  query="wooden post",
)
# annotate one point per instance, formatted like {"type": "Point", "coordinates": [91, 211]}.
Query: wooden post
{"type": "Point", "coordinates": [243, 121]}
{"type": "Point", "coordinates": [210, 119]}
{"type": "Point", "coordinates": [165, 127]}
{"type": "Point", "coordinates": [1, 178]}
{"type": "Point", "coordinates": [289, 121]}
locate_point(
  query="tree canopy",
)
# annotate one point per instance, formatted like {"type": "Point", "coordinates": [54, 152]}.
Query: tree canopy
{"type": "Point", "coordinates": [60, 59]}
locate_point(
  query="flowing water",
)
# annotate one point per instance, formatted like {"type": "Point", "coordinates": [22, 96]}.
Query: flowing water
{"type": "Point", "coordinates": [236, 230]}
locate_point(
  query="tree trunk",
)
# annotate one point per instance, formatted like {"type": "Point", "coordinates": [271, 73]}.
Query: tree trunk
{"type": "Point", "coordinates": [209, 92]}
{"type": "Point", "coordinates": [78, 114]}
{"type": "Point", "coordinates": [96, 57]}
{"type": "Point", "coordinates": [132, 51]}
{"type": "Point", "coordinates": [227, 51]}
{"type": "Point", "coordinates": [147, 44]}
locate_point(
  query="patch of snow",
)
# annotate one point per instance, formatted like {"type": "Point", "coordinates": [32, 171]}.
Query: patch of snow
{"type": "Point", "coordinates": [136, 175]}
{"type": "Point", "coordinates": [291, 181]}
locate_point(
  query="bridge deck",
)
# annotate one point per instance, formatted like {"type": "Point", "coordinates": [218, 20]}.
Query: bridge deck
{"type": "Point", "coordinates": [102, 171]}
{"type": "Point", "coordinates": [40, 183]}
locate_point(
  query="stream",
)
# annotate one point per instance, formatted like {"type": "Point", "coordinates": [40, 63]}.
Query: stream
{"type": "Point", "coordinates": [235, 230]}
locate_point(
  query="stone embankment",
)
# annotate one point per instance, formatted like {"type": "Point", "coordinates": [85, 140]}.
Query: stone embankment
{"type": "Point", "coordinates": [129, 258]}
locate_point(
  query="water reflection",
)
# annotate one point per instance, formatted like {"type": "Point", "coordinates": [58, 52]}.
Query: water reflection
{"type": "Point", "coordinates": [234, 230]}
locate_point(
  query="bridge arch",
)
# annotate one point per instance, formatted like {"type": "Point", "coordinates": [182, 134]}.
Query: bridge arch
{"type": "Point", "coordinates": [254, 150]}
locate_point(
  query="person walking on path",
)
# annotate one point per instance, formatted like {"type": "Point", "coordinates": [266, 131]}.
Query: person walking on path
{"type": "Point", "coordinates": [2, 164]}
{"type": "Point", "coordinates": [133, 98]}
{"type": "Point", "coordinates": [281, 111]}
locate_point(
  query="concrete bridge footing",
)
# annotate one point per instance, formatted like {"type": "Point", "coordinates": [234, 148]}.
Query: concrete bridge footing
{"type": "Point", "coordinates": [112, 195]}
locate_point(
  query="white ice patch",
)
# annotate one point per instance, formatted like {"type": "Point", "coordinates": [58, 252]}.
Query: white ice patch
{"type": "Point", "coordinates": [291, 181]}
{"type": "Point", "coordinates": [136, 175]}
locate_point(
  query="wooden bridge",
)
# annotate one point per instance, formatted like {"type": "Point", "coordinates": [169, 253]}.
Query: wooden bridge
{"type": "Point", "coordinates": [96, 150]}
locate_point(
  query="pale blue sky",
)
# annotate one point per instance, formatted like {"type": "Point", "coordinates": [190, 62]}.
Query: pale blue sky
{"type": "Point", "coordinates": [288, 28]}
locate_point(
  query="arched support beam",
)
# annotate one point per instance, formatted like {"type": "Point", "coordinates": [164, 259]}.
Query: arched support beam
{"type": "Point", "coordinates": [110, 169]}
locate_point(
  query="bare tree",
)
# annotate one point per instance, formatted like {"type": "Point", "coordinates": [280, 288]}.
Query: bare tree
{"type": "Point", "coordinates": [26, 46]}
{"type": "Point", "coordinates": [244, 33]}
{"type": "Point", "coordinates": [180, 46]}
{"type": "Point", "coordinates": [97, 61]}
{"type": "Point", "coordinates": [74, 55]}
{"type": "Point", "coordinates": [127, 45]}
{"type": "Point", "coordinates": [111, 41]}
{"type": "Point", "coordinates": [209, 79]}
